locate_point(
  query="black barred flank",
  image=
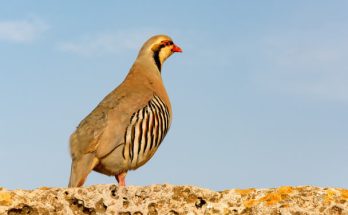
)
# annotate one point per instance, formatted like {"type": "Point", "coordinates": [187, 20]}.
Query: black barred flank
{"type": "Point", "coordinates": [140, 131]}
{"type": "Point", "coordinates": [146, 130]}
{"type": "Point", "coordinates": [157, 127]}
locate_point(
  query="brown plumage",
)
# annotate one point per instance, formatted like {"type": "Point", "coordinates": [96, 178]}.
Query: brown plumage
{"type": "Point", "coordinates": [124, 131]}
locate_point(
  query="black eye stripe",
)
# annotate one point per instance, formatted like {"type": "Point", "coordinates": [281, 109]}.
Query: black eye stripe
{"type": "Point", "coordinates": [166, 43]}
{"type": "Point", "coordinates": [163, 44]}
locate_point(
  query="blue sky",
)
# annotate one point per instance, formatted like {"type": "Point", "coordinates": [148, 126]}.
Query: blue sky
{"type": "Point", "coordinates": [259, 94]}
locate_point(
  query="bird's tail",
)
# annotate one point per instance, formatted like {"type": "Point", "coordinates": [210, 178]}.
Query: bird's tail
{"type": "Point", "coordinates": [80, 168]}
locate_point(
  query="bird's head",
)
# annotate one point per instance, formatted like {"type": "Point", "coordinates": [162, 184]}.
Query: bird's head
{"type": "Point", "coordinates": [159, 47]}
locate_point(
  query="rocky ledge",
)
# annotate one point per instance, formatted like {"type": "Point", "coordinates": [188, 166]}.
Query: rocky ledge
{"type": "Point", "coordinates": [170, 199]}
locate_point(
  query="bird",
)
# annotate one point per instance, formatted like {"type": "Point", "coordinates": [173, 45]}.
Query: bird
{"type": "Point", "coordinates": [126, 128]}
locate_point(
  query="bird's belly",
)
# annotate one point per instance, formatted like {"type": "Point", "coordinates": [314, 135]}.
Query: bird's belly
{"type": "Point", "coordinates": [113, 163]}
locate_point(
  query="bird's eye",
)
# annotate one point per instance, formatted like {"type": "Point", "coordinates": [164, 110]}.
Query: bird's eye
{"type": "Point", "coordinates": [167, 42]}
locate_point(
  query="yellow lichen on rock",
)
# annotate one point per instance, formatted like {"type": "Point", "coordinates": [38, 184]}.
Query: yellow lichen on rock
{"type": "Point", "coordinates": [244, 192]}
{"type": "Point", "coordinates": [268, 199]}
{"type": "Point", "coordinates": [285, 190]}
{"type": "Point", "coordinates": [330, 196]}
{"type": "Point", "coordinates": [344, 193]}
{"type": "Point", "coordinates": [250, 203]}
{"type": "Point", "coordinates": [43, 188]}
{"type": "Point", "coordinates": [5, 198]}
{"type": "Point", "coordinates": [271, 198]}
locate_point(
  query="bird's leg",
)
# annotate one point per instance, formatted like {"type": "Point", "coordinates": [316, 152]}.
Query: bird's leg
{"type": "Point", "coordinates": [121, 179]}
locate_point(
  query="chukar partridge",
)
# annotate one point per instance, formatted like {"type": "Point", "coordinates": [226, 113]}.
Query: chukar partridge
{"type": "Point", "coordinates": [124, 131]}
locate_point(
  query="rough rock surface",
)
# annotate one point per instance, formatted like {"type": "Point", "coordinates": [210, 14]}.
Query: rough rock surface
{"type": "Point", "coordinates": [170, 199]}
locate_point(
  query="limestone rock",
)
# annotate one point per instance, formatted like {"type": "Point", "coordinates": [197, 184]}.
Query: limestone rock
{"type": "Point", "coordinates": [174, 200]}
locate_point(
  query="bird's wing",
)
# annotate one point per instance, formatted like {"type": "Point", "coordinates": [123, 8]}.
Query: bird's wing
{"type": "Point", "coordinates": [86, 136]}
{"type": "Point", "coordinates": [104, 128]}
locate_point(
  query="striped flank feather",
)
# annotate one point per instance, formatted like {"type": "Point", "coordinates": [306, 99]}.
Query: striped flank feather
{"type": "Point", "coordinates": [148, 126]}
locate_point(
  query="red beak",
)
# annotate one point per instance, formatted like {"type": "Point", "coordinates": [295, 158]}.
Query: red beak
{"type": "Point", "coordinates": [176, 48]}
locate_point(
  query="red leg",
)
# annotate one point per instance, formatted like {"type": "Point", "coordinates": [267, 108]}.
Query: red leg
{"type": "Point", "coordinates": [121, 179]}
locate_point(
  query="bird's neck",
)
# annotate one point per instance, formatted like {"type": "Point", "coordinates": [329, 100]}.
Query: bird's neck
{"type": "Point", "coordinates": [154, 58]}
{"type": "Point", "coordinates": [144, 67]}
{"type": "Point", "coordinates": [150, 63]}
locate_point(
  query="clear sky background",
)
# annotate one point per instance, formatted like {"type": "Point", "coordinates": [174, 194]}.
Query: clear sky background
{"type": "Point", "coordinates": [259, 95]}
